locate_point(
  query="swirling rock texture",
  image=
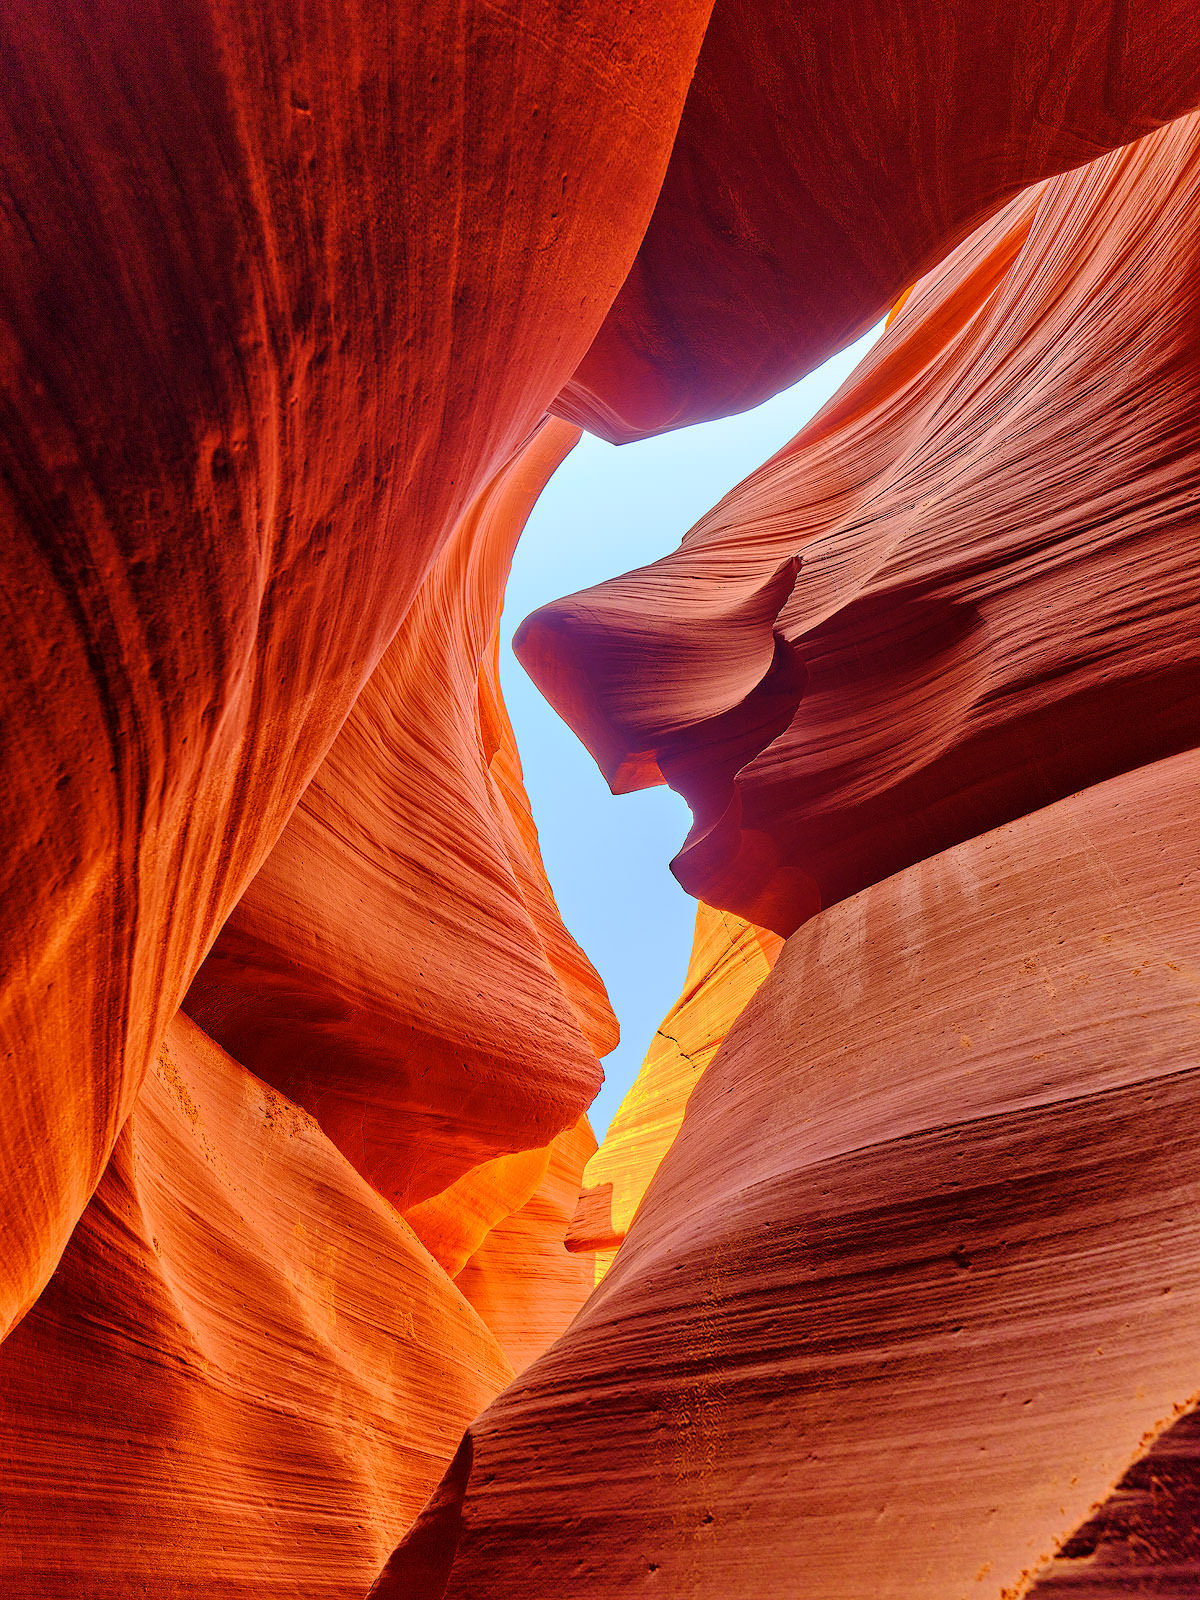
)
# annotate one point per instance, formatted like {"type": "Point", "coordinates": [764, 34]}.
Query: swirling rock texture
{"type": "Point", "coordinates": [907, 1308]}
{"type": "Point", "coordinates": [398, 966]}
{"type": "Point", "coordinates": [521, 1280]}
{"type": "Point", "coordinates": [829, 155]}
{"type": "Point", "coordinates": [236, 1300]}
{"type": "Point", "coordinates": [964, 591]}
{"type": "Point", "coordinates": [918, 1278]}
{"type": "Point", "coordinates": [906, 1299]}
{"type": "Point", "coordinates": [281, 289]}
{"type": "Point", "coordinates": [729, 960]}
{"type": "Point", "coordinates": [246, 1374]}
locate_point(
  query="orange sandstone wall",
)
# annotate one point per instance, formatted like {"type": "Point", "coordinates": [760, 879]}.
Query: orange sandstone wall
{"type": "Point", "coordinates": [830, 154]}
{"type": "Point", "coordinates": [398, 966]}
{"type": "Point", "coordinates": [908, 1306]}
{"type": "Point", "coordinates": [906, 1301]}
{"type": "Point", "coordinates": [521, 1279]}
{"type": "Point", "coordinates": [281, 289]}
{"type": "Point", "coordinates": [246, 1374]}
{"type": "Point", "coordinates": [248, 1371]}
{"type": "Point", "coordinates": [962, 592]}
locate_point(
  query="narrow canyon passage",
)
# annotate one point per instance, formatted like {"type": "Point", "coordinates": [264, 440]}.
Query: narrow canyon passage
{"type": "Point", "coordinates": [881, 1281]}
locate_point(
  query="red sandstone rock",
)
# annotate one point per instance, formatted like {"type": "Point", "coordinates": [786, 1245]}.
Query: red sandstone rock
{"type": "Point", "coordinates": [281, 288]}
{"type": "Point", "coordinates": [828, 155]}
{"type": "Point", "coordinates": [963, 591]}
{"type": "Point", "coordinates": [921, 1274]}
{"type": "Point", "coordinates": [245, 1375]}
{"type": "Point", "coordinates": [521, 1280]}
{"type": "Point", "coordinates": [729, 959]}
{"type": "Point", "coordinates": [399, 966]}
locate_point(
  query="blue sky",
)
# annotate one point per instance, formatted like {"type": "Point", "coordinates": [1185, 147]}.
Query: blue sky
{"type": "Point", "coordinates": [609, 508]}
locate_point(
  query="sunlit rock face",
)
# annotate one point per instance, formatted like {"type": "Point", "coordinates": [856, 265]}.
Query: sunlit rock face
{"type": "Point", "coordinates": [297, 1280]}
{"type": "Point", "coordinates": [729, 960]}
{"type": "Point", "coordinates": [522, 1280]}
{"type": "Point", "coordinates": [965, 590]}
{"type": "Point", "coordinates": [829, 155]}
{"type": "Point", "coordinates": [250, 1368]}
{"type": "Point", "coordinates": [282, 289]}
{"type": "Point", "coordinates": [918, 1279]}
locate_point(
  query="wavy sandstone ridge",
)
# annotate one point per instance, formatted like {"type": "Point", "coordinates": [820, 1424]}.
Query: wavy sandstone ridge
{"type": "Point", "coordinates": [907, 1297]}
{"type": "Point", "coordinates": [246, 1374]}
{"type": "Point", "coordinates": [830, 155]}
{"type": "Point", "coordinates": [920, 1271]}
{"type": "Point", "coordinates": [729, 960]}
{"type": "Point", "coordinates": [991, 530]}
{"type": "Point", "coordinates": [398, 966]}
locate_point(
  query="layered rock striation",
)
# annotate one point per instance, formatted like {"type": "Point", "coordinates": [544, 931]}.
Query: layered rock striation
{"type": "Point", "coordinates": [729, 960]}
{"type": "Point", "coordinates": [905, 1308]}
{"type": "Point", "coordinates": [829, 155]}
{"type": "Point", "coordinates": [915, 1283]}
{"type": "Point", "coordinates": [903, 1209]}
{"type": "Point", "coordinates": [961, 592]}
{"type": "Point", "coordinates": [281, 291]}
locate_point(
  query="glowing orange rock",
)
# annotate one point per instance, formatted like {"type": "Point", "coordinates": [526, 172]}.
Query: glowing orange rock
{"type": "Point", "coordinates": [245, 1375]}
{"type": "Point", "coordinates": [454, 1223]}
{"type": "Point", "coordinates": [964, 590]}
{"type": "Point", "coordinates": [521, 1280]}
{"type": "Point", "coordinates": [282, 289]}
{"type": "Point", "coordinates": [399, 966]}
{"type": "Point", "coordinates": [920, 1274]}
{"type": "Point", "coordinates": [829, 155]}
{"type": "Point", "coordinates": [729, 959]}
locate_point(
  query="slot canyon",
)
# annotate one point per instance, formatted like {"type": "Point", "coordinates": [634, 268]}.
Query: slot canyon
{"type": "Point", "coordinates": [884, 1281]}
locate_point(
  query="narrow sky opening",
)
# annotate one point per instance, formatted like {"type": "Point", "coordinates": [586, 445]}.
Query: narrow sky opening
{"type": "Point", "coordinates": [608, 509]}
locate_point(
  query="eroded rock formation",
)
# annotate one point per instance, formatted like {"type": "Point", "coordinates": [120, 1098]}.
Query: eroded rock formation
{"type": "Point", "coordinates": [919, 1274]}
{"type": "Point", "coordinates": [906, 1289]}
{"type": "Point", "coordinates": [909, 1297]}
{"type": "Point", "coordinates": [729, 960]}
{"type": "Point", "coordinates": [281, 290]}
{"type": "Point", "coordinates": [829, 155]}
{"type": "Point", "coordinates": [398, 966]}
{"type": "Point", "coordinates": [963, 591]}
{"type": "Point", "coordinates": [246, 1374]}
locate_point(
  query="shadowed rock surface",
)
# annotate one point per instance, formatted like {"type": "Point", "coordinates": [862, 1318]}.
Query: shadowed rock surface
{"type": "Point", "coordinates": [963, 591]}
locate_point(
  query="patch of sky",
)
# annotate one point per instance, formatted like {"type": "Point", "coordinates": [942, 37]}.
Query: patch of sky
{"type": "Point", "coordinates": [607, 509]}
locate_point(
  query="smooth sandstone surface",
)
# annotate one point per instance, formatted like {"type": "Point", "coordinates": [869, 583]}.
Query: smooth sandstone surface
{"type": "Point", "coordinates": [246, 1374]}
{"type": "Point", "coordinates": [399, 966]}
{"type": "Point", "coordinates": [830, 155]}
{"type": "Point", "coordinates": [964, 590]}
{"type": "Point", "coordinates": [281, 288]}
{"type": "Point", "coordinates": [917, 1281]}
{"type": "Point", "coordinates": [729, 960]}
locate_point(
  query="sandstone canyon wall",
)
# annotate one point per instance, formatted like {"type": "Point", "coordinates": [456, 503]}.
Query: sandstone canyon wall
{"type": "Point", "coordinates": [884, 1279]}
{"type": "Point", "coordinates": [909, 1296]}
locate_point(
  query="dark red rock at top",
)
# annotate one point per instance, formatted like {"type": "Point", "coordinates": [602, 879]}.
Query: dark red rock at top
{"type": "Point", "coordinates": [830, 154]}
{"type": "Point", "coordinates": [965, 589]}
